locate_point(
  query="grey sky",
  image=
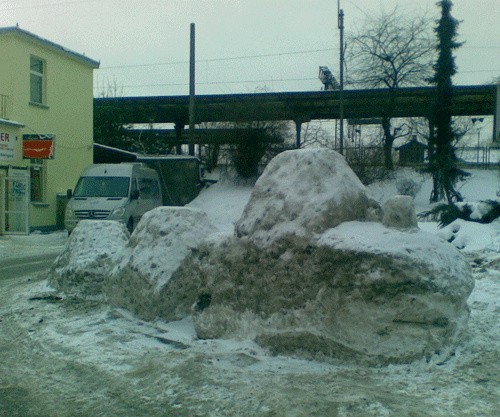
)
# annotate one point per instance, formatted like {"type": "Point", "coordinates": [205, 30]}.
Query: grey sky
{"type": "Point", "coordinates": [241, 45]}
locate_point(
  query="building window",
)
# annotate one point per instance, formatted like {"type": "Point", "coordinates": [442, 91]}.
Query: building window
{"type": "Point", "coordinates": [37, 80]}
{"type": "Point", "coordinates": [37, 173]}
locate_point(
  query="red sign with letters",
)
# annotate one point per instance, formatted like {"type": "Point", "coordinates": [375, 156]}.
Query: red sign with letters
{"type": "Point", "coordinates": [38, 146]}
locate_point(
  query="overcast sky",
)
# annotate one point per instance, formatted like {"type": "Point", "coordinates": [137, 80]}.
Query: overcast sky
{"type": "Point", "coordinates": [241, 45]}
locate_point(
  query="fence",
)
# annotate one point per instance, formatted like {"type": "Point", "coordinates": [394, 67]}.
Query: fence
{"type": "Point", "coordinates": [483, 157]}
{"type": "Point", "coordinates": [479, 156]}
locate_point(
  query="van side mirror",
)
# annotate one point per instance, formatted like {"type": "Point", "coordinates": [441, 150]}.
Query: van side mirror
{"type": "Point", "coordinates": [69, 193]}
{"type": "Point", "coordinates": [134, 195]}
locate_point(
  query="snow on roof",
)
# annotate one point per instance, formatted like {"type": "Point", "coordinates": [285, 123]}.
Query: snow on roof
{"type": "Point", "coordinates": [11, 123]}
{"type": "Point", "coordinates": [16, 30]}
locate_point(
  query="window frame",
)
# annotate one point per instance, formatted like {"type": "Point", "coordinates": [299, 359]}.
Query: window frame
{"type": "Point", "coordinates": [40, 78]}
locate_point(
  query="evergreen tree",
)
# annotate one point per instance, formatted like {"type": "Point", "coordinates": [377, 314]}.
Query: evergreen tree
{"type": "Point", "coordinates": [442, 159]}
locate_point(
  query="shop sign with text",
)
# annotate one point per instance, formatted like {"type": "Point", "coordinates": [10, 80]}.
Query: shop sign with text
{"type": "Point", "coordinates": [7, 143]}
{"type": "Point", "coordinates": [38, 146]}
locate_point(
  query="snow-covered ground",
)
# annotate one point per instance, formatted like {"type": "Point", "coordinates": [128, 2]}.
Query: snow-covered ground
{"type": "Point", "coordinates": [108, 362]}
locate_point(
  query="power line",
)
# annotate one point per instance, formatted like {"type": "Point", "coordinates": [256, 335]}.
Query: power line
{"type": "Point", "coordinates": [39, 6]}
{"type": "Point", "coordinates": [256, 81]}
{"type": "Point", "coordinates": [218, 82]}
{"type": "Point", "coordinates": [476, 71]}
{"type": "Point", "coordinates": [243, 57]}
{"type": "Point", "coordinates": [224, 59]}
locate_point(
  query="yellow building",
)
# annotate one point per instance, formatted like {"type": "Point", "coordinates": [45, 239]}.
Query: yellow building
{"type": "Point", "coordinates": [46, 128]}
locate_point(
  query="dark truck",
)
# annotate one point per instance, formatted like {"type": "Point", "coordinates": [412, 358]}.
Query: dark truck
{"type": "Point", "coordinates": [180, 177]}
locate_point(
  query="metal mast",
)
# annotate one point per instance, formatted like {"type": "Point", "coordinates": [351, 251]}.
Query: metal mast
{"type": "Point", "coordinates": [341, 81]}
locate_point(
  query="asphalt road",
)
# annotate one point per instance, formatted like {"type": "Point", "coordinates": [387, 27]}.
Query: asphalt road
{"type": "Point", "coordinates": [12, 268]}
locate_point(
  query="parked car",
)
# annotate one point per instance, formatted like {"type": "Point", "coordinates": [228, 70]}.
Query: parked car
{"type": "Point", "coordinates": [121, 192]}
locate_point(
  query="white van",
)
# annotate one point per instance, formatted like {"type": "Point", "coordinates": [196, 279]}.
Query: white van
{"type": "Point", "coordinates": [122, 192]}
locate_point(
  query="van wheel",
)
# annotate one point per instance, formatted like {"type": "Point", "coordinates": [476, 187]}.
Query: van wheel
{"type": "Point", "coordinates": [130, 225]}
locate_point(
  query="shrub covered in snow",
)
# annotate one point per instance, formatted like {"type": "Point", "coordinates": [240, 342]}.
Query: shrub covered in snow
{"type": "Point", "coordinates": [481, 212]}
{"type": "Point", "coordinates": [408, 186]}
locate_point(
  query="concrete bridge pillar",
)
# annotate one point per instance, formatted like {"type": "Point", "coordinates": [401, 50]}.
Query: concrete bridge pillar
{"type": "Point", "coordinates": [298, 129]}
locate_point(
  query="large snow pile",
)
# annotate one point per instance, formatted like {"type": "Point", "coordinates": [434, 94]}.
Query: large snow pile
{"type": "Point", "coordinates": [315, 267]}
{"type": "Point", "coordinates": [304, 192]}
{"type": "Point", "coordinates": [336, 288]}
{"type": "Point", "coordinates": [80, 268]}
{"type": "Point", "coordinates": [161, 241]}
{"type": "Point", "coordinates": [161, 368]}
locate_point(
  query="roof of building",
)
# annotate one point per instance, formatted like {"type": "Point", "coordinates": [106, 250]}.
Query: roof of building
{"type": "Point", "coordinates": [414, 143]}
{"type": "Point", "coordinates": [16, 30]}
{"type": "Point", "coordinates": [11, 123]}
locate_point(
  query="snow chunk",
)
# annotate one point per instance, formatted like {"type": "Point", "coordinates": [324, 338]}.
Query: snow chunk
{"type": "Point", "coordinates": [164, 237]}
{"type": "Point", "coordinates": [304, 191]}
{"type": "Point", "coordinates": [399, 212]}
{"type": "Point", "coordinates": [419, 250]}
{"type": "Point", "coordinates": [308, 273]}
{"type": "Point", "coordinates": [359, 292]}
{"type": "Point", "coordinates": [90, 253]}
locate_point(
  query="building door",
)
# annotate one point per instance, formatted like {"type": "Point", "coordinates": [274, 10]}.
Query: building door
{"type": "Point", "coordinates": [15, 201]}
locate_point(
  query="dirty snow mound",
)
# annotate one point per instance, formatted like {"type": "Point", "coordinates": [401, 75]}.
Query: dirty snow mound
{"type": "Point", "coordinates": [162, 240]}
{"type": "Point", "coordinates": [359, 292]}
{"type": "Point", "coordinates": [348, 290]}
{"type": "Point", "coordinates": [90, 253]}
{"type": "Point", "coordinates": [303, 192]}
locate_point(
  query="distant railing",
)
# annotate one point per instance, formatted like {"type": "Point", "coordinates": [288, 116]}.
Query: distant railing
{"type": "Point", "coordinates": [479, 156]}
{"type": "Point", "coordinates": [483, 157]}
{"type": "Point", "coordinates": [4, 106]}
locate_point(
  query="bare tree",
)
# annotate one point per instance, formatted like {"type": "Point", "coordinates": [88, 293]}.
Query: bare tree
{"type": "Point", "coordinates": [109, 88]}
{"type": "Point", "coordinates": [314, 134]}
{"type": "Point", "coordinates": [391, 51]}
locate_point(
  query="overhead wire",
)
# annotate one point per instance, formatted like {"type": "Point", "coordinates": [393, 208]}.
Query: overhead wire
{"type": "Point", "coordinates": [243, 57]}
{"type": "Point", "coordinates": [42, 5]}
{"type": "Point", "coordinates": [222, 59]}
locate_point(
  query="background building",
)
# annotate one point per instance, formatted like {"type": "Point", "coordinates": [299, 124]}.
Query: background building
{"type": "Point", "coordinates": [46, 127]}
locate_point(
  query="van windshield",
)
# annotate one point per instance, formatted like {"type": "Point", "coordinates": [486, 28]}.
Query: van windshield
{"type": "Point", "coordinates": [102, 187]}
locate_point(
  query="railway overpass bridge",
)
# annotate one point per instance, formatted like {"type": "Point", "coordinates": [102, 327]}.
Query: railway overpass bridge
{"type": "Point", "coordinates": [300, 107]}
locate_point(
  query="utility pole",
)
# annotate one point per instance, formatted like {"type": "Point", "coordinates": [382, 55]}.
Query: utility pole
{"type": "Point", "coordinates": [191, 90]}
{"type": "Point", "coordinates": [341, 82]}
